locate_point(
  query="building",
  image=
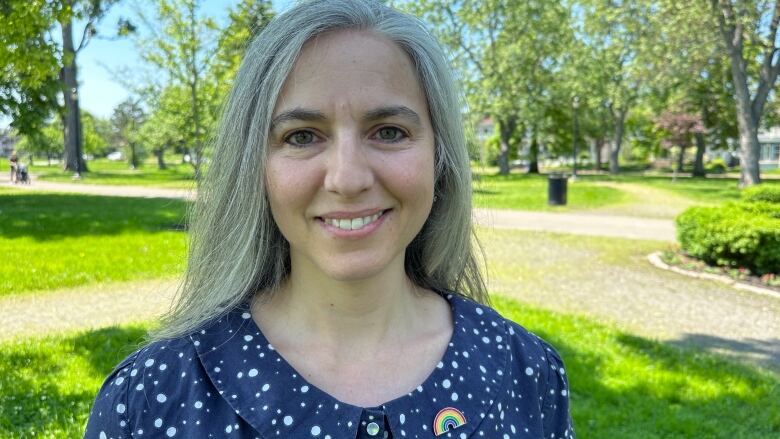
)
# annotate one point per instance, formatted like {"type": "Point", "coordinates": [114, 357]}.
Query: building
{"type": "Point", "coordinates": [7, 143]}
{"type": "Point", "coordinates": [769, 156]}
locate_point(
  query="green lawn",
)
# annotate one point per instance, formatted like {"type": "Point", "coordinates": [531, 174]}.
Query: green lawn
{"type": "Point", "coordinates": [529, 192]}
{"type": "Point", "coordinates": [621, 386]}
{"type": "Point", "coordinates": [103, 171]}
{"type": "Point", "coordinates": [53, 240]}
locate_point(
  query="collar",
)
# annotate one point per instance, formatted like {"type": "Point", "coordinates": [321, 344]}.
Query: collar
{"type": "Point", "coordinates": [272, 397]}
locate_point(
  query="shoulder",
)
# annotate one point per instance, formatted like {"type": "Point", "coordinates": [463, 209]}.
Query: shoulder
{"type": "Point", "coordinates": [126, 391]}
{"type": "Point", "coordinates": [535, 367]}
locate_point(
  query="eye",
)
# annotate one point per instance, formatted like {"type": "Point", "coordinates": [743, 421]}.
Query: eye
{"type": "Point", "coordinates": [390, 134]}
{"type": "Point", "coordinates": [300, 138]}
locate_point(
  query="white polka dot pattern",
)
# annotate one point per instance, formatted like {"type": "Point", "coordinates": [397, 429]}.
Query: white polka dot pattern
{"type": "Point", "coordinates": [227, 381]}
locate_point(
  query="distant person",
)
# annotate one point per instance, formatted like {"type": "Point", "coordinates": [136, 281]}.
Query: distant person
{"type": "Point", "coordinates": [14, 161]}
{"type": "Point", "coordinates": [332, 290]}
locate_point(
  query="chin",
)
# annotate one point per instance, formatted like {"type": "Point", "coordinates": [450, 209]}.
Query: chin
{"type": "Point", "coordinates": [354, 271]}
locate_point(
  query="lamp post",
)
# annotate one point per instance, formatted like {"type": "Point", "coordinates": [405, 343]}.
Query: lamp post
{"type": "Point", "coordinates": [575, 128]}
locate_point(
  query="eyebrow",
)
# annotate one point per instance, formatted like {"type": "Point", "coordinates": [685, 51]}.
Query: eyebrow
{"type": "Point", "coordinates": [369, 116]}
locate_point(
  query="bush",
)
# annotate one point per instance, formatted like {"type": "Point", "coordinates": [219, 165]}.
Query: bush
{"type": "Point", "coordinates": [762, 192]}
{"type": "Point", "coordinates": [716, 166]}
{"type": "Point", "coordinates": [733, 235]}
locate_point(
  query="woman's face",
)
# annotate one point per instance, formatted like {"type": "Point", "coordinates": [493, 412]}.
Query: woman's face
{"type": "Point", "coordinates": [350, 171]}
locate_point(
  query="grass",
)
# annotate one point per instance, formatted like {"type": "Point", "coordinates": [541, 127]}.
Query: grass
{"type": "Point", "coordinates": [54, 240]}
{"type": "Point", "coordinates": [621, 386]}
{"type": "Point", "coordinates": [529, 192]}
{"type": "Point", "coordinates": [106, 172]}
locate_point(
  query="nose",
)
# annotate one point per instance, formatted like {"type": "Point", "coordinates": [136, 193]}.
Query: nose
{"type": "Point", "coordinates": [349, 172]}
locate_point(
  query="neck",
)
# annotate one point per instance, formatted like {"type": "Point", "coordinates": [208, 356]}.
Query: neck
{"type": "Point", "coordinates": [359, 314]}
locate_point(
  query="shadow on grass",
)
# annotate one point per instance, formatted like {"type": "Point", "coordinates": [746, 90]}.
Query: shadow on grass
{"type": "Point", "coordinates": [47, 385]}
{"type": "Point", "coordinates": [654, 390]}
{"type": "Point", "coordinates": [765, 353]}
{"type": "Point", "coordinates": [45, 216]}
{"type": "Point", "coordinates": [623, 386]}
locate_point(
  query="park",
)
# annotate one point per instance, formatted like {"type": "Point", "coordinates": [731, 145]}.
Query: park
{"type": "Point", "coordinates": [657, 279]}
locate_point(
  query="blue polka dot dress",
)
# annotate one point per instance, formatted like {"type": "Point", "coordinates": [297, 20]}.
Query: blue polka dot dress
{"type": "Point", "coordinates": [496, 380]}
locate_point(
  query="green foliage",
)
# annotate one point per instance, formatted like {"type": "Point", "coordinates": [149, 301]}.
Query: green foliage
{"type": "Point", "coordinates": [48, 140]}
{"type": "Point", "coordinates": [717, 166]}
{"type": "Point", "coordinates": [763, 192]}
{"type": "Point", "coordinates": [740, 235]}
{"type": "Point", "coordinates": [126, 120]}
{"type": "Point", "coordinates": [60, 240]}
{"type": "Point", "coordinates": [29, 78]}
{"type": "Point", "coordinates": [96, 134]}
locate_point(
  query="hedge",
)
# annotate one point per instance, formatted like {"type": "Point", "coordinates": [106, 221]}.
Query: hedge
{"type": "Point", "coordinates": [762, 192]}
{"type": "Point", "coordinates": [740, 235]}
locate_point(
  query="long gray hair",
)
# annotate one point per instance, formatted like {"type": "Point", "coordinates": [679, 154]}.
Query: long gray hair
{"type": "Point", "coordinates": [236, 249]}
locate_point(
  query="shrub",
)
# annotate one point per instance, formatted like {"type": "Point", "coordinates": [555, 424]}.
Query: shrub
{"type": "Point", "coordinates": [762, 192]}
{"type": "Point", "coordinates": [733, 235]}
{"type": "Point", "coordinates": [716, 166]}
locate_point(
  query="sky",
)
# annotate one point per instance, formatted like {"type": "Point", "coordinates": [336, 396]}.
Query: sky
{"type": "Point", "coordinates": [98, 92]}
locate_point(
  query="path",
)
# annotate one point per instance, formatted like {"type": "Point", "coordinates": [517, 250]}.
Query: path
{"type": "Point", "coordinates": [83, 308]}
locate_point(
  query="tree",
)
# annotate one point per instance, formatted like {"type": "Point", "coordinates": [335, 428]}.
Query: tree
{"type": "Point", "coordinates": [614, 36]}
{"type": "Point", "coordinates": [198, 62]}
{"type": "Point", "coordinates": [92, 11]}
{"type": "Point", "coordinates": [183, 46]}
{"type": "Point", "coordinates": [508, 53]}
{"type": "Point", "coordinates": [680, 129]}
{"type": "Point", "coordinates": [37, 61]}
{"type": "Point", "coordinates": [45, 141]}
{"type": "Point", "coordinates": [749, 32]}
{"type": "Point", "coordinates": [29, 75]}
{"type": "Point", "coordinates": [126, 120]}
{"type": "Point", "coordinates": [97, 134]}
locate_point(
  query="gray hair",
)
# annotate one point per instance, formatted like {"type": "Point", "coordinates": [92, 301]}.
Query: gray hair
{"type": "Point", "coordinates": [236, 249]}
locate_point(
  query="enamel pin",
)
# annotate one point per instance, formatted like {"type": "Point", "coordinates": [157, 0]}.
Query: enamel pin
{"type": "Point", "coordinates": [448, 418]}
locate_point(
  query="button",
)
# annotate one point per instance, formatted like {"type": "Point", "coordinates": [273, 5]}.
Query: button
{"type": "Point", "coordinates": [372, 429]}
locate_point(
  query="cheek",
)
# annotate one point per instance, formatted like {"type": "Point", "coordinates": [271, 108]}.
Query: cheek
{"type": "Point", "coordinates": [413, 176]}
{"type": "Point", "coordinates": [287, 186]}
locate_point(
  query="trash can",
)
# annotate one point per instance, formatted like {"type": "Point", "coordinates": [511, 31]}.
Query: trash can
{"type": "Point", "coordinates": [556, 189]}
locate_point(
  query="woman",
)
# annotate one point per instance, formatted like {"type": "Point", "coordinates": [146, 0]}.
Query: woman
{"type": "Point", "coordinates": [13, 160]}
{"type": "Point", "coordinates": [332, 289]}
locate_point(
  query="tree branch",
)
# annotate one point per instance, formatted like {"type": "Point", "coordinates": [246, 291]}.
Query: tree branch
{"type": "Point", "coordinates": [769, 68]}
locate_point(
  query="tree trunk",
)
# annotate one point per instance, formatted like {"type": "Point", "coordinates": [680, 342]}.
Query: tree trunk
{"type": "Point", "coordinates": [698, 164]}
{"type": "Point", "coordinates": [617, 141]}
{"type": "Point", "coordinates": [533, 154]}
{"type": "Point", "coordinates": [506, 128]}
{"type": "Point", "coordinates": [599, 148]}
{"type": "Point", "coordinates": [72, 133]}
{"type": "Point", "coordinates": [681, 159]}
{"type": "Point", "coordinates": [160, 160]}
{"type": "Point", "coordinates": [747, 119]}
{"type": "Point", "coordinates": [133, 156]}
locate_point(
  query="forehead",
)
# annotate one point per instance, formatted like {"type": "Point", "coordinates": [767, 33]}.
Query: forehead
{"type": "Point", "coordinates": [354, 67]}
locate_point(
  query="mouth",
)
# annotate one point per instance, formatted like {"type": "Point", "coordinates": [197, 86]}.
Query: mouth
{"type": "Point", "coordinates": [356, 223]}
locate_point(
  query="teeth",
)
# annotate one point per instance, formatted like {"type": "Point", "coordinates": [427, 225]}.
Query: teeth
{"type": "Point", "coordinates": [352, 224]}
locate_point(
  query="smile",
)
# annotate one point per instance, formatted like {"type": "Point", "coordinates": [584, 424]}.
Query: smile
{"type": "Point", "coordinates": [353, 223]}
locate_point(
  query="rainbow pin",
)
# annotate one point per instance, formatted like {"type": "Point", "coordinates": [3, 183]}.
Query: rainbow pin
{"type": "Point", "coordinates": [447, 419]}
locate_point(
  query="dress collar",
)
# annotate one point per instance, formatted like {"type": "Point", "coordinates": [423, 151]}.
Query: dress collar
{"type": "Point", "coordinates": [277, 401]}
